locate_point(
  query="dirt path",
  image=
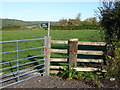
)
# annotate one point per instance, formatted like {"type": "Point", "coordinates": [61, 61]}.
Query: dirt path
{"type": "Point", "coordinates": [49, 82]}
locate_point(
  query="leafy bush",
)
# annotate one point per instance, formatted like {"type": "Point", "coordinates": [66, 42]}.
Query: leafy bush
{"type": "Point", "coordinates": [68, 73]}
{"type": "Point", "coordinates": [71, 73]}
{"type": "Point", "coordinates": [110, 22]}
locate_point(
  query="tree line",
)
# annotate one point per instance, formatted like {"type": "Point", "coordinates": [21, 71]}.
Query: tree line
{"type": "Point", "coordinates": [62, 24]}
{"type": "Point", "coordinates": [81, 26]}
{"type": "Point", "coordinates": [77, 24]}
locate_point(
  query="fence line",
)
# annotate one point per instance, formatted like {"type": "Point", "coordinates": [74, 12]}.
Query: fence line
{"type": "Point", "coordinates": [72, 59]}
{"type": "Point", "coordinates": [55, 68]}
{"type": "Point", "coordinates": [78, 52]}
{"type": "Point", "coordinates": [59, 41]}
{"type": "Point", "coordinates": [78, 60]}
{"type": "Point", "coordinates": [59, 50]}
{"type": "Point", "coordinates": [79, 42]}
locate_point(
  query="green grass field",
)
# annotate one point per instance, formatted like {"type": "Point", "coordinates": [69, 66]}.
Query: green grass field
{"type": "Point", "coordinates": [82, 35]}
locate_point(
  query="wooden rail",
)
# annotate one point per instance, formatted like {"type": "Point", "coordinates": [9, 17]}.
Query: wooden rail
{"type": "Point", "coordinates": [59, 42]}
{"type": "Point", "coordinates": [54, 71]}
{"type": "Point", "coordinates": [87, 52]}
{"type": "Point", "coordinates": [58, 59]}
{"type": "Point", "coordinates": [92, 43]}
{"type": "Point", "coordinates": [80, 42]}
{"type": "Point", "coordinates": [89, 69]}
{"type": "Point", "coordinates": [59, 50]}
{"type": "Point", "coordinates": [85, 69]}
{"type": "Point", "coordinates": [90, 60]}
{"type": "Point", "coordinates": [79, 60]}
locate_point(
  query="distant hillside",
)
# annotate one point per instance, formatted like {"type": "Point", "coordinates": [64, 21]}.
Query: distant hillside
{"type": "Point", "coordinates": [11, 22]}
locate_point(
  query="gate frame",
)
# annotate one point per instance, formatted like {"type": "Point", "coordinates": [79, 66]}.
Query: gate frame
{"type": "Point", "coordinates": [45, 59]}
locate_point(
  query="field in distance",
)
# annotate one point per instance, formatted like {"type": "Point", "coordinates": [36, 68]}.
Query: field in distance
{"type": "Point", "coordinates": [82, 35]}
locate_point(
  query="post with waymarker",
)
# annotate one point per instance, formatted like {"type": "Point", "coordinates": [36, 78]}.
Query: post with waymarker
{"type": "Point", "coordinates": [48, 29]}
{"type": "Point", "coordinates": [46, 25]}
{"type": "Point", "coordinates": [47, 49]}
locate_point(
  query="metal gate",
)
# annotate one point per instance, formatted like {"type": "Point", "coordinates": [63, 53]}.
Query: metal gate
{"type": "Point", "coordinates": [25, 65]}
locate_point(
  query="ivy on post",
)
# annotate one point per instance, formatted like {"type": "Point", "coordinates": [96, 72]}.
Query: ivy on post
{"type": "Point", "coordinates": [72, 52]}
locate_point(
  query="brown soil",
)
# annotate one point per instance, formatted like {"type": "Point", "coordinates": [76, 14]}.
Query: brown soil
{"type": "Point", "coordinates": [102, 83]}
{"type": "Point", "coordinates": [50, 82]}
{"type": "Point", "coordinates": [57, 82]}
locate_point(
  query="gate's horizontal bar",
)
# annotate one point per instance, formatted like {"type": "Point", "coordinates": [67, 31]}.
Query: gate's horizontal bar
{"type": "Point", "coordinates": [20, 70]}
{"type": "Point", "coordinates": [31, 72]}
{"type": "Point", "coordinates": [21, 40]}
{"type": "Point", "coordinates": [8, 68]}
{"type": "Point", "coordinates": [8, 52]}
{"type": "Point", "coordinates": [21, 64]}
{"type": "Point", "coordinates": [8, 79]}
{"type": "Point", "coordinates": [31, 57]}
{"type": "Point", "coordinates": [21, 75]}
{"type": "Point", "coordinates": [21, 59]}
{"type": "Point", "coordinates": [31, 49]}
{"type": "Point", "coordinates": [30, 62]}
{"type": "Point", "coordinates": [21, 80]}
{"type": "Point", "coordinates": [30, 67]}
{"type": "Point", "coordinates": [21, 50]}
{"type": "Point", "coordinates": [7, 74]}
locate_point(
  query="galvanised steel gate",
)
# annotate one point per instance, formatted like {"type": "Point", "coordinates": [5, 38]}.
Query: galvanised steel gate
{"type": "Point", "coordinates": [22, 68]}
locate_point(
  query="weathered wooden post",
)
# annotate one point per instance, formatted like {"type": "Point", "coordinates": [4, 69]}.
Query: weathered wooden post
{"type": "Point", "coordinates": [72, 52]}
{"type": "Point", "coordinates": [47, 51]}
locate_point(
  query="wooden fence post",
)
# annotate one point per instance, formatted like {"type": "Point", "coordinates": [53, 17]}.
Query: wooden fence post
{"type": "Point", "coordinates": [72, 52]}
{"type": "Point", "coordinates": [47, 55]}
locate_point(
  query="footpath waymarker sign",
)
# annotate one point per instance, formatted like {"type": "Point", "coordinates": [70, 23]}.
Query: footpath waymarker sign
{"type": "Point", "coordinates": [46, 25]}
